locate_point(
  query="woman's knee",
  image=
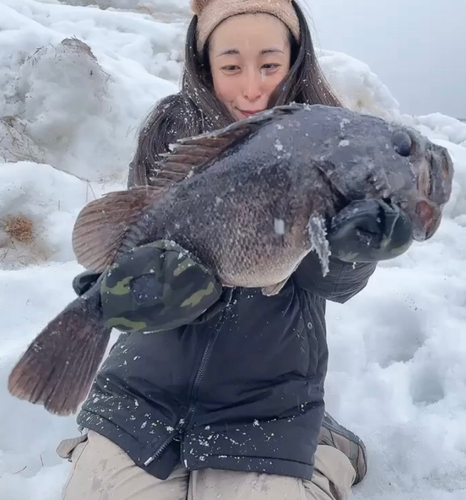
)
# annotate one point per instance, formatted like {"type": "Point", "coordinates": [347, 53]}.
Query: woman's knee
{"type": "Point", "coordinates": [103, 471]}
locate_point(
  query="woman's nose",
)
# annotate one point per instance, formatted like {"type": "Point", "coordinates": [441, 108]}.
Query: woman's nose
{"type": "Point", "coordinates": [252, 87]}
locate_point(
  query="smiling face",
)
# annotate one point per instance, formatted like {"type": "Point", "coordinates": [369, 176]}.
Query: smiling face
{"type": "Point", "coordinates": [249, 56]}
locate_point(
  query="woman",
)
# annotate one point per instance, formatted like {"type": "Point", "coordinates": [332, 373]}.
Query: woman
{"type": "Point", "coordinates": [227, 404]}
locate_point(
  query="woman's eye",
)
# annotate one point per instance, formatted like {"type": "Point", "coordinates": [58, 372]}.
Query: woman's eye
{"type": "Point", "coordinates": [270, 66]}
{"type": "Point", "coordinates": [230, 68]}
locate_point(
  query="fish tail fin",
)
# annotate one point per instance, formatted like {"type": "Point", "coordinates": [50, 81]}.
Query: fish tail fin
{"type": "Point", "coordinates": [58, 368]}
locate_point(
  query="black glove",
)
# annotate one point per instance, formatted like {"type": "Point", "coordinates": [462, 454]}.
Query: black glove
{"type": "Point", "coordinates": [158, 286]}
{"type": "Point", "coordinates": [369, 231]}
{"type": "Point", "coordinates": [84, 282]}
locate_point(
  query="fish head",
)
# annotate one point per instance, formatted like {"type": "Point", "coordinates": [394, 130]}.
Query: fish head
{"type": "Point", "coordinates": [363, 156]}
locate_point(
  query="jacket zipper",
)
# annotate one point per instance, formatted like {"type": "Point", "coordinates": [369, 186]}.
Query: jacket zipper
{"type": "Point", "coordinates": [184, 422]}
{"type": "Point", "coordinates": [165, 443]}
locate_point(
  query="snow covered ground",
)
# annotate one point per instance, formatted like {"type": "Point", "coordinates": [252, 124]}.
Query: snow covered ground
{"type": "Point", "coordinates": [77, 80]}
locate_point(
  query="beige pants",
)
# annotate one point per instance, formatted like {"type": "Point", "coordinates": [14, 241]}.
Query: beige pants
{"type": "Point", "coordinates": [103, 471]}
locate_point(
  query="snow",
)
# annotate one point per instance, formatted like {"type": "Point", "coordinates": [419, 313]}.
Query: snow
{"type": "Point", "coordinates": [356, 85]}
{"type": "Point", "coordinates": [77, 81]}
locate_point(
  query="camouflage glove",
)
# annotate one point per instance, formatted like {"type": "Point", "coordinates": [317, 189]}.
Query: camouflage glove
{"type": "Point", "coordinates": [369, 231]}
{"type": "Point", "coordinates": [155, 287]}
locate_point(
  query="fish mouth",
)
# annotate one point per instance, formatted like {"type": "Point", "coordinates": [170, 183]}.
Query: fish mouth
{"type": "Point", "coordinates": [434, 186]}
{"type": "Point", "coordinates": [437, 175]}
{"type": "Point", "coordinates": [427, 220]}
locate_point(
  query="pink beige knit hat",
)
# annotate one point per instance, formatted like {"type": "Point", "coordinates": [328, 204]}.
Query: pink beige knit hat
{"type": "Point", "coordinates": [211, 13]}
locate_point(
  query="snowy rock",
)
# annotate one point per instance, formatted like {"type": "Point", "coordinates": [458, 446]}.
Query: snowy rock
{"type": "Point", "coordinates": [61, 91]}
{"type": "Point", "coordinates": [16, 144]}
{"type": "Point", "coordinates": [104, 84]}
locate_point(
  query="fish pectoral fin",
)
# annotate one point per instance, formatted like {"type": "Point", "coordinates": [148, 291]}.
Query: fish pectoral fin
{"type": "Point", "coordinates": [193, 155]}
{"type": "Point", "coordinates": [268, 291]}
{"type": "Point", "coordinates": [101, 225]}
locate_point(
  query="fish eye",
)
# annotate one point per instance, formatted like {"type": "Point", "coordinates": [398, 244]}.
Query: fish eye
{"type": "Point", "coordinates": [402, 143]}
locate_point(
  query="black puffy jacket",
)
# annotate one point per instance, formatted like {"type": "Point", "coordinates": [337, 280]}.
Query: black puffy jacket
{"type": "Point", "coordinates": [242, 390]}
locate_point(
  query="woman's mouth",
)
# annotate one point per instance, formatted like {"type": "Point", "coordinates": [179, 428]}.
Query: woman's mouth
{"type": "Point", "coordinates": [247, 112]}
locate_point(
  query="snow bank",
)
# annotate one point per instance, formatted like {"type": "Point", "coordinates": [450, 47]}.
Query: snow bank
{"type": "Point", "coordinates": [356, 85]}
{"type": "Point", "coordinates": [29, 467]}
{"type": "Point", "coordinates": [156, 8]}
{"type": "Point", "coordinates": [47, 199]}
{"type": "Point", "coordinates": [448, 128]}
{"type": "Point", "coordinates": [156, 5]}
{"type": "Point", "coordinates": [77, 82]}
{"type": "Point", "coordinates": [397, 374]}
{"type": "Point", "coordinates": [79, 88]}
{"type": "Point", "coordinates": [397, 370]}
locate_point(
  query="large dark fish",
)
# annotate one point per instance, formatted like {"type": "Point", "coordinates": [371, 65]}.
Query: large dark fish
{"type": "Point", "coordinates": [250, 201]}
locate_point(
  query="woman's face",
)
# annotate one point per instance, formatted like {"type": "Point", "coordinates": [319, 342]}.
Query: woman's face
{"type": "Point", "coordinates": [249, 56]}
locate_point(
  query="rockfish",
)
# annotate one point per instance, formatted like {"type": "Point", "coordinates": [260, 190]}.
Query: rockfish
{"type": "Point", "coordinates": [250, 201]}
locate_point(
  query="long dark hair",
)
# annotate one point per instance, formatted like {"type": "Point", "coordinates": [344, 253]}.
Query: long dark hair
{"type": "Point", "coordinates": [196, 109]}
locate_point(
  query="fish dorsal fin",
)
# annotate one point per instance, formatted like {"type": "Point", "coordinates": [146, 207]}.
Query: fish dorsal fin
{"type": "Point", "coordinates": [102, 224]}
{"type": "Point", "coordinates": [193, 155]}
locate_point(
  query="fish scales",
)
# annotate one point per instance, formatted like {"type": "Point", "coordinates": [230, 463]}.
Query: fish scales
{"type": "Point", "coordinates": [229, 214]}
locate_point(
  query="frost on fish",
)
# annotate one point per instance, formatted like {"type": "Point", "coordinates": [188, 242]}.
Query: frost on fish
{"type": "Point", "coordinates": [279, 226]}
{"type": "Point", "coordinates": [278, 145]}
{"type": "Point", "coordinates": [344, 122]}
{"type": "Point", "coordinates": [319, 243]}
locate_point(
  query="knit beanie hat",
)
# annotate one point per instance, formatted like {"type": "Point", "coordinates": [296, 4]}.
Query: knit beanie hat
{"type": "Point", "coordinates": [211, 13]}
